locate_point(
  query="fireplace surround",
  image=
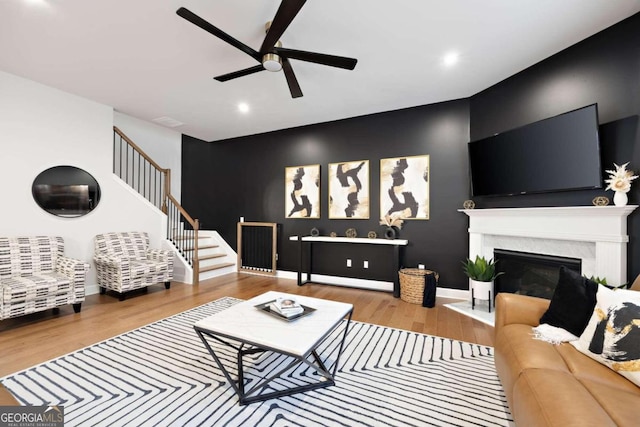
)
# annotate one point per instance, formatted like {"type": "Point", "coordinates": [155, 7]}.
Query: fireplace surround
{"type": "Point", "coordinates": [595, 235]}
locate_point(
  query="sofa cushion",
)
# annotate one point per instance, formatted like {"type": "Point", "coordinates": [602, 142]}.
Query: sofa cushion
{"type": "Point", "coordinates": [516, 351]}
{"type": "Point", "coordinates": [572, 302]}
{"type": "Point", "coordinates": [545, 397]}
{"type": "Point", "coordinates": [612, 336]}
{"type": "Point", "coordinates": [616, 402]}
{"type": "Point", "coordinates": [130, 245]}
{"type": "Point", "coordinates": [147, 268]}
{"type": "Point", "coordinates": [16, 289]}
{"type": "Point", "coordinates": [23, 256]}
{"type": "Point", "coordinates": [586, 369]}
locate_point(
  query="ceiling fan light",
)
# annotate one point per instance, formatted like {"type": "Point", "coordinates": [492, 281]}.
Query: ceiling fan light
{"type": "Point", "coordinates": [271, 62]}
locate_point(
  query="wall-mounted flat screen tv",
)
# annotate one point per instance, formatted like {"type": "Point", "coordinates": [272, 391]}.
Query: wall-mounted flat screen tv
{"type": "Point", "coordinates": [556, 154]}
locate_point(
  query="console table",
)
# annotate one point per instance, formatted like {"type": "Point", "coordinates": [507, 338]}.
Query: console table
{"type": "Point", "coordinates": [389, 248]}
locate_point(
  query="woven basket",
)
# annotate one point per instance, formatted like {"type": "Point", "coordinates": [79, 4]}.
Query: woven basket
{"type": "Point", "coordinates": [412, 284]}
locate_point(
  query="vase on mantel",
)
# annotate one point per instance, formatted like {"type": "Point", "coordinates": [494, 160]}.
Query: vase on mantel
{"type": "Point", "coordinates": [620, 198]}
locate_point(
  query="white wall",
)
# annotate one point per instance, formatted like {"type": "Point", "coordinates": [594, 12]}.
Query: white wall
{"type": "Point", "coordinates": [41, 127]}
{"type": "Point", "coordinates": [162, 144]}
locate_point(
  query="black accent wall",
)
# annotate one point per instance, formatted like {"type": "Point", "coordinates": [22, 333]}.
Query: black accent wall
{"type": "Point", "coordinates": [603, 69]}
{"type": "Point", "coordinates": [245, 177]}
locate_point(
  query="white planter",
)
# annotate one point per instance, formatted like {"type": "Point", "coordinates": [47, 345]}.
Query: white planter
{"type": "Point", "coordinates": [481, 290]}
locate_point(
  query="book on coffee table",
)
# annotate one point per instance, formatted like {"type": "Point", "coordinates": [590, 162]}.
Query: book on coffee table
{"type": "Point", "coordinates": [287, 307]}
{"type": "Point", "coordinates": [284, 308]}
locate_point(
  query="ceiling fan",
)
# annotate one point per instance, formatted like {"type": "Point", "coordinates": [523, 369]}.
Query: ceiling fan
{"type": "Point", "coordinates": [272, 56]}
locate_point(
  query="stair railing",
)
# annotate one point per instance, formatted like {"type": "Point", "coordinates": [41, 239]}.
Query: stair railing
{"type": "Point", "coordinates": [153, 182]}
{"type": "Point", "coordinates": [182, 230]}
{"type": "Point", "coordinates": [139, 170]}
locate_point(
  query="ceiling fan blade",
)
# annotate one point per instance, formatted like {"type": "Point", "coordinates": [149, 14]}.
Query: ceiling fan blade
{"type": "Point", "coordinates": [294, 87]}
{"type": "Point", "coordinates": [286, 12]}
{"type": "Point", "coordinates": [240, 73]}
{"type": "Point", "coordinates": [196, 20]}
{"type": "Point", "coordinates": [318, 58]}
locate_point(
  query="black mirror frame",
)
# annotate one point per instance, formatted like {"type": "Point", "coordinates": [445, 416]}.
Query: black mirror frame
{"type": "Point", "coordinates": [66, 191]}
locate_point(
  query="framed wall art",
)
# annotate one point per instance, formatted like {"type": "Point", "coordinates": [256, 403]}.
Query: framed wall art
{"type": "Point", "coordinates": [302, 191]}
{"type": "Point", "coordinates": [349, 190]}
{"type": "Point", "coordinates": [404, 187]}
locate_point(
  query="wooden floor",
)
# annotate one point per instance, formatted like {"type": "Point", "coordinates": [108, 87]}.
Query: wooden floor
{"type": "Point", "coordinates": [29, 340]}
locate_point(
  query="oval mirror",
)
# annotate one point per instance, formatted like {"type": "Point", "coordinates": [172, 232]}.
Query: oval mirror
{"type": "Point", "coordinates": [66, 191]}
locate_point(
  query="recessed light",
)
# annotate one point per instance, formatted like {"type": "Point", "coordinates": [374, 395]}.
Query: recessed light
{"type": "Point", "coordinates": [37, 2]}
{"type": "Point", "coordinates": [451, 58]}
{"type": "Point", "coordinates": [243, 107]}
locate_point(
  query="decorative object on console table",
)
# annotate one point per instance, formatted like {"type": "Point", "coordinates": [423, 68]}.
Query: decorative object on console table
{"type": "Point", "coordinates": [469, 204]}
{"type": "Point", "coordinates": [314, 232]}
{"type": "Point", "coordinates": [393, 224]}
{"type": "Point", "coordinates": [372, 235]}
{"type": "Point", "coordinates": [404, 187]}
{"type": "Point", "coordinates": [351, 233]}
{"type": "Point", "coordinates": [620, 182]}
{"type": "Point", "coordinates": [482, 274]}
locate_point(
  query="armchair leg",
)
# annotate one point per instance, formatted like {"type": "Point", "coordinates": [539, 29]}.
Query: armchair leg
{"type": "Point", "coordinates": [77, 307]}
{"type": "Point", "coordinates": [122, 296]}
{"type": "Point", "coordinates": [56, 310]}
{"type": "Point", "coordinates": [103, 290]}
{"type": "Point", "coordinates": [167, 285]}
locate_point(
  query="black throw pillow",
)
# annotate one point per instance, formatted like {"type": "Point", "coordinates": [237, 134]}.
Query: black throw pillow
{"type": "Point", "coordinates": [572, 303]}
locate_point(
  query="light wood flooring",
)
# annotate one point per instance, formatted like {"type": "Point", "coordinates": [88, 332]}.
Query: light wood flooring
{"type": "Point", "coordinates": [29, 340]}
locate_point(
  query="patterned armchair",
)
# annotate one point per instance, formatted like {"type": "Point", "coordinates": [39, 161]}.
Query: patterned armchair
{"type": "Point", "coordinates": [35, 276]}
{"type": "Point", "coordinates": [124, 262]}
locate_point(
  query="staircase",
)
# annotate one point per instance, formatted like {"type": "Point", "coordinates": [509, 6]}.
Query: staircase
{"type": "Point", "coordinates": [200, 254]}
{"type": "Point", "coordinates": [215, 257]}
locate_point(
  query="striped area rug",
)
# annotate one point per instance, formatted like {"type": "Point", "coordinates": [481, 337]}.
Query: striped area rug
{"type": "Point", "coordinates": [161, 375]}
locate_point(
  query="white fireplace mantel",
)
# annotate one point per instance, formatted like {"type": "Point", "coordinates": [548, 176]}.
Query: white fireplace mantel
{"type": "Point", "coordinates": [597, 235]}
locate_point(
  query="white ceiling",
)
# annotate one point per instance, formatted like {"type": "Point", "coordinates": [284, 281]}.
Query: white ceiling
{"type": "Point", "coordinates": [144, 60]}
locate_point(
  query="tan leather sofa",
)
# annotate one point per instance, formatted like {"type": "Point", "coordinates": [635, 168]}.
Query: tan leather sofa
{"type": "Point", "coordinates": [556, 385]}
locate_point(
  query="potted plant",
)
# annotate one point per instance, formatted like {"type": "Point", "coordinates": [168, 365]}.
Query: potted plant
{"type": "Point", "coordinates": [481, 273]}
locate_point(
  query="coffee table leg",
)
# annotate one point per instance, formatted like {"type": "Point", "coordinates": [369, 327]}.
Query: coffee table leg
{"type": "Point", "coordinates": [230, 380]}
{"type": "Point", "coordinates": [249, 396]}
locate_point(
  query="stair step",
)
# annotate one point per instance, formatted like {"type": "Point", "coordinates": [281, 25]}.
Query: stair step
{"type": "Point", "coordinates": [202, 247]}
{"type": "Point", "coordinates": [216, 266]}
{"type": "Point", "coordinates": [200, 237]}
{"type": "Point", "coordinates": [212, 256]}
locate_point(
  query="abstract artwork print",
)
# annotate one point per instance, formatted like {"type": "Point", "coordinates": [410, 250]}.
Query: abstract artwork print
{"type": "Point", "coordinates": [302, 191]}
{"type": "Point", "coordinates": [404, 187]}
{"type": "Point", "coordinates": [349, 190]}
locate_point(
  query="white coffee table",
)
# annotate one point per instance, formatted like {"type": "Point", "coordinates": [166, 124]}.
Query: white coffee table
{"type": "Point", "coordinates": [249, 330]}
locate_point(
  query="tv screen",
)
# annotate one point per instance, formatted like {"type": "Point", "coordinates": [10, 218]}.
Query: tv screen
{"type": "Point", "coordinates": [556, 154]}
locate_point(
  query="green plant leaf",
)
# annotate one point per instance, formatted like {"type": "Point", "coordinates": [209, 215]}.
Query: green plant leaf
{"type": "Point", "coordinates": [480, 269]}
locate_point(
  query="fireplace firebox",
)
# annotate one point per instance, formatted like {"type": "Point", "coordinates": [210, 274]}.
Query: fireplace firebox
{"type": "Point", "coordinates": [529, 273]}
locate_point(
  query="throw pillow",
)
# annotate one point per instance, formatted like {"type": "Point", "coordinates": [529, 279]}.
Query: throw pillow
{"type": "Point", "coordinates": [572, 302]}
{"type": "Point", "coordinates": [612, 336]}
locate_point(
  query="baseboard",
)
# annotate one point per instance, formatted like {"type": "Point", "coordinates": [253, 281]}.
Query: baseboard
{"type": "Point", "coordinates": [461, 294]}
{"type": "Point", "coordinates": [91, 289]}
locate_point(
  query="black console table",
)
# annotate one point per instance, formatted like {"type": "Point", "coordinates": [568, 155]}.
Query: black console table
{"type": "Point", "coordinates": [392, 265]}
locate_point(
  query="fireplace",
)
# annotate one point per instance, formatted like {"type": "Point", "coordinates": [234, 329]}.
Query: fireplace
{"type": "Point", "coordinates": [530, 274]}
{"type": "Point", "coordinates": [596, 235]}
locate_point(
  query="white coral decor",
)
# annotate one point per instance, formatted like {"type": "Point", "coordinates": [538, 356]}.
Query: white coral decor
{"type": "Point", "coordinates": [620, 179]}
